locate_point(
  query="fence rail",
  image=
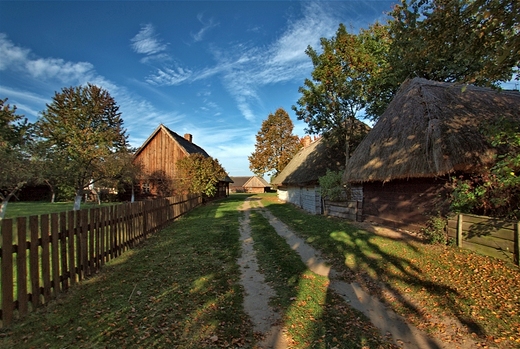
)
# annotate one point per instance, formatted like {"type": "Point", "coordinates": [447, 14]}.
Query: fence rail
{"type": "Point", "coordinates": [494, 237]}
{"type": "Point", "coordinates": [45, 257]}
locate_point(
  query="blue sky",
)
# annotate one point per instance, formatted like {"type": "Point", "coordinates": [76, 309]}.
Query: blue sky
{"type": "Point", "coordinates": [215, 69]}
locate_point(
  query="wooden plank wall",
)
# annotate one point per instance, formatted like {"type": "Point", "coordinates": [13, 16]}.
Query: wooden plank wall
{"type": "Point", "coordinates": [494, 237]}
{"type": "Point", "coordinates": [43, 258]}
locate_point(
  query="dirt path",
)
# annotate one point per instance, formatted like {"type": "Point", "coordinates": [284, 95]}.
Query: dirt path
{"type": "Point", "coordinates": [267, 321]}
{"type": "Point", "coordinates": [257, 292]}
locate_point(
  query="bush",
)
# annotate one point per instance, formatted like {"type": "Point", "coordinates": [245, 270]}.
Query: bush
{"type": "Point", "coordinates": [435, 231]}
{"type": "Point", "coordinates": [331, 186]}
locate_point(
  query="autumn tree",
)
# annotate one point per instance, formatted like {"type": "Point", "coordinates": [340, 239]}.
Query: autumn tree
{"type": "Point", "coordinates": [199, 174]}
{"type": "Point", "coordinates": [337, 90]}
{"type": "Point", "coordinates": [15, 166]}
{"type": "Point", "coordinates": [275, 145]}
{"type": "Point", "coordinates": [84, 128]}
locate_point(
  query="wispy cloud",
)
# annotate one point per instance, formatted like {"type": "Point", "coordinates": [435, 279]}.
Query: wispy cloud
{"type": "Point", "coordinates": [169, 77]}
{"type": "Point", "coordinates": [50, 74]}
{"type": "Point", "coordinates": [146, 42]}
{"type": "Point", "coordinates": [10, 54]}
{"type": "Point", "coordinates": [206, 25]}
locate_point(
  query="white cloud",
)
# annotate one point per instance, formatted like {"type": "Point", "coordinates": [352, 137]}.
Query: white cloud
{"type": "Point", "coordinates": [50, 68]}
{"type": "Point", "coordinates": [11, 54]}
{"type": "Point", "coordinates": [145, 42]}
{"type": "Point", "coordinates": [205, 27]}
{"type": "Point", "coordinates": [169, 76]}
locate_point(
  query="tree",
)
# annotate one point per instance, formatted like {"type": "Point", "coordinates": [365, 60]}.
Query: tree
{"type": "Point", "coordinates": [15, 169]}
{"type": "Point", "coordinates": [84, 127]}
{"type": "Point", "coordinates": [331, 101]}
{"type": "Point", "coordinates": [466, 41]}
{"type": "Point", "coordinates": [200, 174]}
{"type": "Point", "coordinates": [496, 190]}
{"type": "Point", "coordinates": [275, 144]}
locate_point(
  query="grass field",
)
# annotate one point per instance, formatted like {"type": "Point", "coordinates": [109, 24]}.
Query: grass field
{"type": "Point", "coordinates": [429, 282]}
{"type": "Point", "coordinates": [35, 208]}
{"type": "Point", "coordinates": [181, 288]}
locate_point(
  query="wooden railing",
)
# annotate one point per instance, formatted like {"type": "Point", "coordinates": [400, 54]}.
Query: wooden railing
{"type": "Point", "coordinates": [494, 237]}
{"type": "Point", "coordinates": [42, 256]}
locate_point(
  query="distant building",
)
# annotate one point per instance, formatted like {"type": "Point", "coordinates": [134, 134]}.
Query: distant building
{"type": "Point", "coordinates": [252, 184]}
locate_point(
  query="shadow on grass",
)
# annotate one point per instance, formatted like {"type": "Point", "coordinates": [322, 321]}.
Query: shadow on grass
{"type": "Point", "coordinates": [178, 289]}
{"type": "Point", "coordinates": [392, 270]}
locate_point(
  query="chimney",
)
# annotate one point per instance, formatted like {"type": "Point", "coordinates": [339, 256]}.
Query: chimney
{"type": "Point", "coordinates": [188, 137]}
{"type": "Point", "coordinates": [306, 141]}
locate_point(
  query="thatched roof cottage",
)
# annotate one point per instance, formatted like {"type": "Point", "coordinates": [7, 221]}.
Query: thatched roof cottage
{"type": "Point", "coordinates": [430, 131]}
{"type": "Point", "coordinates": [298, 181]}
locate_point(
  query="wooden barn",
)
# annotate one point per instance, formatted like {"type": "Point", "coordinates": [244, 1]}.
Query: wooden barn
{"type": "Point", "coordinates": [251, 184]}
{"type": "Point", "coordinates": [158, 157]}
{"type": "Point", "coordinates": [429, 132]}
{"type": "Point", "coordinates": [298, 181]}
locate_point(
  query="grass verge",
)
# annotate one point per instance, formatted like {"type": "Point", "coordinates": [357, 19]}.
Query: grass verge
{"type": "Point", "coordinates": [427, 282]}
{"type": "Point", "coordinates": [314, 316]}
{"type": "Point", "coordinates": [178, 289]}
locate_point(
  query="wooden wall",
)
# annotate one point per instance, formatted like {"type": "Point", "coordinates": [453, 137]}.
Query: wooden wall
{"type": "Point", "coordinates": [161, 153]}
{"type": "Point", "coordinates": [404, 204]}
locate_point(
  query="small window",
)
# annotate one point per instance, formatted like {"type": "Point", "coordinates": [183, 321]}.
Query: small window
{"type": "Point", "coordinates": [145, 188]}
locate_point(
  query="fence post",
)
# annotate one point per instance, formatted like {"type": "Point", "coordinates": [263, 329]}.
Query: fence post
{"type": "Point", "coordinates": [459, 230]}
{"type": "Point", "coordinates": [7, 271]}
{"type": "Point", "coordinates": [517, 243]}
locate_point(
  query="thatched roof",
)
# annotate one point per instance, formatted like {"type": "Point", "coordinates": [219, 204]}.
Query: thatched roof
{"type": "Point", "coordinates": [431, 129]}
{"type": "Point", "coordinates": [310, 163]}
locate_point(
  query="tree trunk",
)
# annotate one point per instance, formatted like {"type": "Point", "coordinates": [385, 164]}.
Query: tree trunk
{"type": "Point", "coordinates": [77, 200]}
{"type": "Point", "coordinates": [3, 207]}
{"type": "Point", "coordinates": [132, 198]}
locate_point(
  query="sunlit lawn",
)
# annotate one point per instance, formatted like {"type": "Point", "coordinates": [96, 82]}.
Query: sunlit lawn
{"type": "Point", "coordinates": [483, 293]}
{"type": "Point", "coordinates": [35, 208]}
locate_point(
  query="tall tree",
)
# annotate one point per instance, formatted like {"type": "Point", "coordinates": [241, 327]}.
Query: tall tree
{"type": "Point", "coordinates": [200, 174]}
{"type": "Point", "coordinates": [15, 167]}
{"type": "Point", "coordinates": [338, 90]}
{"type": "Point", "coordinates": [275, 145]}
{"type": "Point", "coordinates": [85, 127]}
{"type": "Point", "coordinates": [467, 41]}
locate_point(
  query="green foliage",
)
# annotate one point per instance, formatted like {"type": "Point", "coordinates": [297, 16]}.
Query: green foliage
{"type": "Point", "coordinates": [456, 40]}
{"type": "Point", "coordinates": [338, 90]}
{"type": "Point", "coordinates": [494, 191]}
{"type": "Point", "coordinates": [200, 174]}
{"type": "Point", "coordinates": [331, 185]}
{"type": "Point", "coordinates": [84, 129]}
{"type": "Point", "coordinates": [275, 145]}
{"type": "Point", "coordinates": [435, 230]}
{"type": "Point", "coordinates": [15, 138]}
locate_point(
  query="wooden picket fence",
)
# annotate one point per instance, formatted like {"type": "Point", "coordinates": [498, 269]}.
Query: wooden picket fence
{"type": "Point", "coordinates": [49, 253]}
{"type": "Point", "coordinates": [493, 237]}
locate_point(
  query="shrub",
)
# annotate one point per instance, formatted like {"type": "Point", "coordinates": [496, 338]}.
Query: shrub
{"type": "Point", "coordinates": [331, 186]}
{"type": "Point", "coordinates": [435, 230]}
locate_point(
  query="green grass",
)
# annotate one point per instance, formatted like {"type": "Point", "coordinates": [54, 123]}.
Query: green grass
{"type": "Point", "coordinates": [178, 289]}
{"type": "Point", "coordinates": [481, 292]}
{"type": "Point", "coordinates": [36, 208]}
{"type": "Point", "coordinates": [314, 316]}
{"type": "Point", "coordinates": [181, 288]}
